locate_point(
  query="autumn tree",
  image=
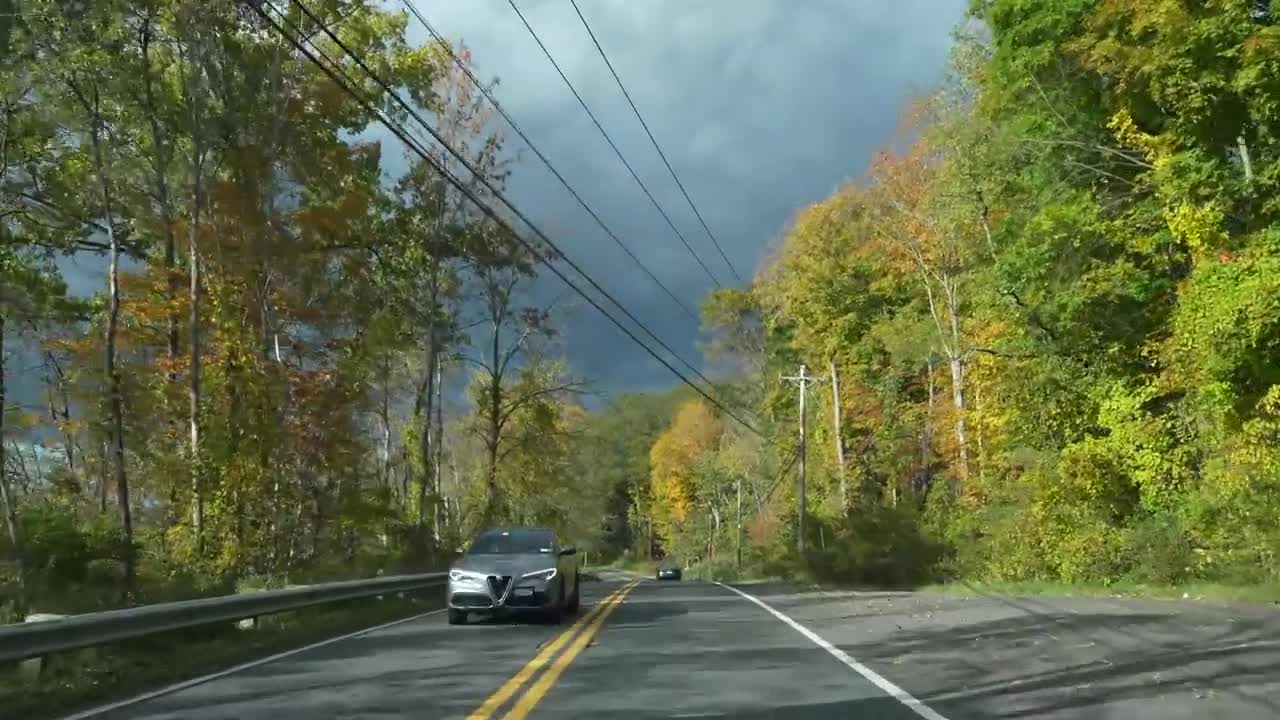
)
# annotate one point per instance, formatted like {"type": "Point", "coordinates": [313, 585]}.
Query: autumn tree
{"type": "Point", "coordinates": [679, 468]}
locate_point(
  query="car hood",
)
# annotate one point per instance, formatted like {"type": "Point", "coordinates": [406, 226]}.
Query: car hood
{"type": "Point", "coordinates": [514, 565]}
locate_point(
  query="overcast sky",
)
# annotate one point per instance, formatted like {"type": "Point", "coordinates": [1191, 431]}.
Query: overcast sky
{"type": "Point", "coordinates": [762, 107]}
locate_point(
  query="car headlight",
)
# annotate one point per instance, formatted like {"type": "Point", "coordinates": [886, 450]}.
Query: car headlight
{"type": "Point", "coordinates": [541, 574]}
{"type": "Point", "coordinates": [462, 576]}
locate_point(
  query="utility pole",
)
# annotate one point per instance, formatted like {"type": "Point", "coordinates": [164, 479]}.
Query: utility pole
{"type": "Point", "coordinates": [839, 440]}
{"type": "Point", "coordinates": [802, 381]}
{"type": "Point", "coordinates": [738, 548]}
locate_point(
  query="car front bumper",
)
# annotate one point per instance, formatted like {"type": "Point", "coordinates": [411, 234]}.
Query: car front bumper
{"type": "Point", "coordinates": [491, 597]}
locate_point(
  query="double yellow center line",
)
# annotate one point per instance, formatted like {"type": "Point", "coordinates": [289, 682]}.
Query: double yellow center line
{"type": "Point", "coordinates": [577, 637]}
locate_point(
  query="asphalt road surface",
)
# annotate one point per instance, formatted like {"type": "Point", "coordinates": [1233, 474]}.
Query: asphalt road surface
{"type": "Point", "coordinates": [689, 649]}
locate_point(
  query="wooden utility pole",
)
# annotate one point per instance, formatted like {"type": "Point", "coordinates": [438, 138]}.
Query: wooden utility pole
{"type": "Point", "coordinates": [839, 440]}
{"type": "Point", "coordinates": [802, 381]}
{"type": "Point", "coordinates": [738, 548]}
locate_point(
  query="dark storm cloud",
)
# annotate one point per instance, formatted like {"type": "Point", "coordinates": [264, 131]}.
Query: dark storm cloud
{"type": "Point", "coordinates": [762, 106]}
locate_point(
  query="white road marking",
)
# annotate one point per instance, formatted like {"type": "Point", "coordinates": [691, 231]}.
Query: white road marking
{"type": "Point", "coordinates": [875, 678]}
{"type": "Point", "coordinates": [94, 712]}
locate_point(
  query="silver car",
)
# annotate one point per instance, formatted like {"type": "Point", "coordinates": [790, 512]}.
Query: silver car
{"type": "Point", "coordinates": [516, 570]}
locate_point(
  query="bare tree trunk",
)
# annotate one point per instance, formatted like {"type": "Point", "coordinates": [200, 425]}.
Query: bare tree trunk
{"type": "Point", "coordinates": [951, 341]}
{"type": "Point", "coordinates": [956, 360]}
{"type": "Point", "coordinates": [491, 474]}
{"type": "Point", "coordinates": [161, 159]}
{"type": "Point", "coordinates": [61, 415]}
{"type": "Point", "coordinates": [7, 495]}
{"type": "Point", "coordinates": [427, 458]}
{"type": "Point", "coordinates": [405, 471]}
{"type": "Point", "coordinates": [957, 399]}
{"type": "Point", "coordinates": [494, 429]}
{"type": "Point", "coordinates": [711, 539]}
{"type": "Point", "coordinates": [162, 155]}
{"type": "Point", "coordinates": [1243, 147]}
{"type": "Point", "coordinates": [837, 437]}
{"type": "Point", "coordinates": [648, 552]}
{"type": "Point", "coordinates": [115, 391]}
{"type": "Point", "coordinates": [384, 418]}
{"type": "Point", "coordinates": [436, 520]}
{"type": "Point", "coordinates": [737, 539]}
{"type": "Point", "coordinates": [15, 535]}
{"type": "Point", "coordinates": [193, 389]}
{"type": "Point", "coordinates": [455, 505]}
{"type": "Point", "coordinates": [978, 435]}
{"type": "Point", "coordinates": [103, 479]}
{"type": "Point", "coordinates": [984, 220]}
{"type": "Point", "coordinates": [921, 481]}
{"type": "Point", "coordinates": [233, 430]}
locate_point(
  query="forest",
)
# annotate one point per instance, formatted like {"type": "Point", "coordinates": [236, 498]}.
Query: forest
{"type": "Point", "coordinates": [234, 313]}
{"type": "Point", "coordinates": [1045, 320]}
{"type": "Point", "coordinates": [248, 340]}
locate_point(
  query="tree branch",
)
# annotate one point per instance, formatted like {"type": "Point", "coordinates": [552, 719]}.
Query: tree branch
{"type": "Point", "coordinates": [1001, 353]}
{"type": "Point", "coordinates": [572, 386]}
{"type": "Point", "coordinates": [1105, 149]}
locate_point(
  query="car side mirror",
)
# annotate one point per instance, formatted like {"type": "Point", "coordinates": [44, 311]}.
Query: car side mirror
{"type": "Point", "coordinates": [570, 550]}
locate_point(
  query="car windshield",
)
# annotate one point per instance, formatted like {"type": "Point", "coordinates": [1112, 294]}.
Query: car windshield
{"type": "Point", "coordinates": [509, 542]}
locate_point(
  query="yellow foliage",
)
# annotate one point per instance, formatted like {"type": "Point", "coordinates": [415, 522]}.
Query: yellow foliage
{"type": "Point", "coordinates": [694, 431]}
{"type": "Point", "coordinates": [1199, 226]}
{"type": "Point", "coordinates": [1126, 131]}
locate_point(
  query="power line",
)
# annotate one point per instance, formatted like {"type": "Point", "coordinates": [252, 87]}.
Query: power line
{"type": "Point", "coordinates": [652, 139]}
{"type": "Point", "coordinates": [510, 121]}
{"type": "Point", "coordinates": [413, 112]}
{"type": "Point", "coordinates": [782, 472]}
{"type": "Point", "coordinates": [609, 139]}
{"type": "Point", "coordinates": [412, 143]}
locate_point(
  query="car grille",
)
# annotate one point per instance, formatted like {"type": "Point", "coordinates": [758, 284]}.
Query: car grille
{"type": "Point", "coordinates": [472, 600]}
{"type": "Point", "coordinates": [498, 585]}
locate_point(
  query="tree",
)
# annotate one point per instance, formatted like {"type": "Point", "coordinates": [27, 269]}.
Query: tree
{"type": "Point", "coordinates": [613, 455]}
{"type": "Point", "coordinates": [679, 465]}
{"type": "Point", "coordinates": [144, 142]}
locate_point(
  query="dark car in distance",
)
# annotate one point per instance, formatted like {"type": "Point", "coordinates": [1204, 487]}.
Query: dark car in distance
{"type": "Point", "coordinates": [668, 571]}
{"type": "Point", "coordinates": [514, 570]}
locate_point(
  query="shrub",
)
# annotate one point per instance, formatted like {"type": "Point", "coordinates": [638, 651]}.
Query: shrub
{"type": "Point", "coordinates": [874, 545]}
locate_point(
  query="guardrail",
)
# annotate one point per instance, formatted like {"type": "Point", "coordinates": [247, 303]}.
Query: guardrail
{"type": "Point", "coordinates": [18, 642]}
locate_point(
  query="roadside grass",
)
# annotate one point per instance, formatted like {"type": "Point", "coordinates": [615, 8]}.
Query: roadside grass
{"type": "Point", "coordinates": [80, 679]}
{"type": "Point", "coordinates": [1260, 594]}
{"type": "Point", "coordinates": [755, 572]}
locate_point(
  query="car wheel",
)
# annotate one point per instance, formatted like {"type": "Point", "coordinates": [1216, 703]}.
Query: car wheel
{"type": "Point", "coordinates": [457, 617]}
{"type": "Point", "coordinates": [555, 613]}
{"type": "Point", "coordinates": [575, 599]}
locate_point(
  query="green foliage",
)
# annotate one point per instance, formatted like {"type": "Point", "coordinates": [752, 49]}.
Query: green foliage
{"type": "Point", "coordinates": [329, 297]}
{"type": "Point", "coordinates": [1052, 308]}
{"type": "Point", "coordinates": [613, 454]}
{"type": "Point", "coordinates": [874, 546]}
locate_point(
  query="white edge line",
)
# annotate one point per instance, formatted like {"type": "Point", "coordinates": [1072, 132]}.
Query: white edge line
{"type": "Point", "coordinates": [94, 712]}
{"type": "Point", "coordinates": [897, 693]}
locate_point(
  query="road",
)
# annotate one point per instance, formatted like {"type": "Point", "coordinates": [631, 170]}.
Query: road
{"type": "Point", "coordinates": [689, 649]}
